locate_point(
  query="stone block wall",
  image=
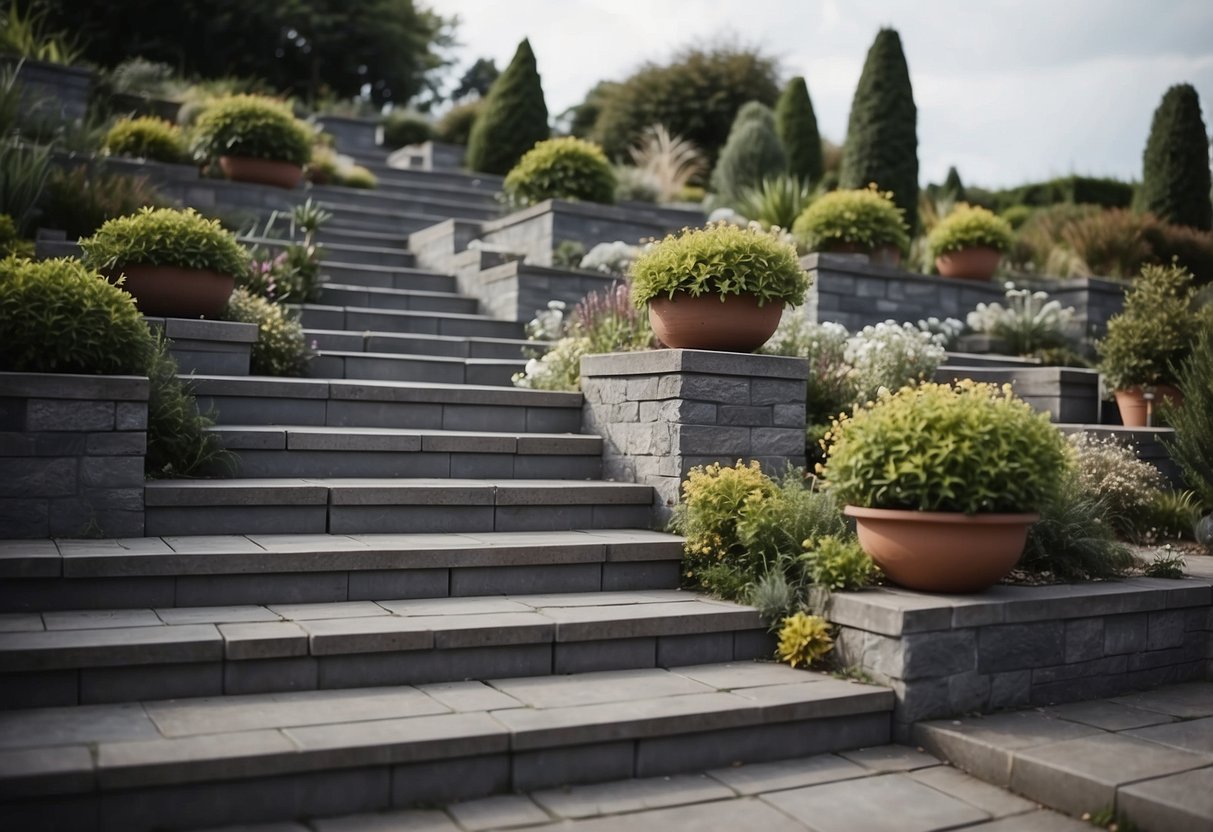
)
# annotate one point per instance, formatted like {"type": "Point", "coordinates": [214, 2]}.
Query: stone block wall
{"type": "Point", "coordinates": [515, 291]}
{"type": "Point", "coordinates": [662, 412]}
{"type": "Point", "coordinates": [208, 347]}
{"type": "Point", "coordinates": [351, 135]}
{"type": "Point", "coordinates": [1070, 395]}
{"type": "Point", "coordinates": [71, 455]}
{"type": "Point", "coordinates": [50, 91]}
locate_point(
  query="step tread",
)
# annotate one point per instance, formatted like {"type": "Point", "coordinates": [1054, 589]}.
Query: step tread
{"type": "Point", "coordinates": [441, 339]}
{"type": "Point", "coordinates": [325, 438]}
{"type": "Point", "coordinates": [383, 291]}
{"type": "Point", "coordinates": [367, 390]}
{"type": "Point", "coordinates": [438, 359]}
{"type": "Point", "coordinates": [457, 316]}
{"type": "Point", "coordinates": [107, 747]}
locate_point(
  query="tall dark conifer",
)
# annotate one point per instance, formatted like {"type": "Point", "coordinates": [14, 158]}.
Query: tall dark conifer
{"type": "Point", "coordinates": [514, 118]}
{"type": "Point", "coordinates": [797, 126]}
{"type": "Point", "coordinates": [1175, 165]}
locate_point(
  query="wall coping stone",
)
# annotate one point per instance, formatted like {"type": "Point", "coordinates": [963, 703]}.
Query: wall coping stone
{"type": "Point", "coordinates": [73, 386]}
{"type": "Point", "coordinates": [206, 330]}
{"type": "Point", "coordinates": [655, 216]}
{"type": "Point", "coordinates": [649, 362]}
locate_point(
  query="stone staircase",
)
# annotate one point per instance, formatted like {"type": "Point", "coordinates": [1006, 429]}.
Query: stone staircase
{"type": "Point", "coordinates": [411, 586]}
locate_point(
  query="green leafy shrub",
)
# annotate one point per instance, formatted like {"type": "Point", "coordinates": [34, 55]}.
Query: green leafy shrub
{"type": "Point", "coordinates": [280, 349]}
{"type": "Point", "coordinates": [838, 563]}
{"type": "Point", "coordinates": [455, 126]}
{"type": "Point", "coordinates": [514, 118]}
{"type": "Point", "coordinates": [775, 529]}
{"type": "Point", "coordinates": [797, 125]}
{"type": "Point", "coordinates": [1192, 445]}
{"type": "Point", "coordinates": [323, 168]}
{"type": "Point", "coordinates": [1073, 541]}
{"type": "Point", "coordinates": [164, 237]}
{"type": "Point", "coordinates": [1155, 331]}
{"type": "Point", "coordinates": [60, 317]}
{"type": "Point", "coordinates": [252, 126]}
{"type": "Point", "coordinates": [751, 154]}
{"type": "Point", "coordinates": [1126, 485]}
{"type": "Point", "coordinates": [966, 448]}
{"type": "Point", "coordinates": [1170, 566]}
{"type": "Point", "coordinates": [146, 138]}
{"type": "Point", "coordinates": [1016, 215]}
{"type": "Point", "coordinates": [24, 172]}
{"type": "Point", "coordinates": [80, 200]}
{"type": "Point", "coordinates": [404, 127]}
{"type": "Point", "coordinates": [969, 227]}
{"type": "Point", "coordinates": [1175, 179]}
{"type": "Point", "coordinates": [866, 219]}
{"type": "Point", "coordinates": [178, 442]}
{"type": "Point", "coordinates": [564, 168]}
{"type": "Point", "coordinates": [359, 177]}
{"type": "Point", "coordinates": [12, 245]}
{"type": "Point", "coordinates": [1168, 516]}
{"type": "Point", "coordinates": [777, 201]}
{"type": "Point", "coordinates": [720, 259]}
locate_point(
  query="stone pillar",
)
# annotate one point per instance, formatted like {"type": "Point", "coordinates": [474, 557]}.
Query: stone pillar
{"type": "Point", "coordinates": [71, 455]}
{"type": "Point", "coordinates": [662, 412]}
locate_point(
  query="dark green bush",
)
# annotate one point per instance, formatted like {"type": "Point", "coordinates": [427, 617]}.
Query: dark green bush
{"type": "Point", "coordinates": [514, 119]}
{"type": "Point", "coordinates": [1192, 445]}
{"type": "Point", "coordinates": [565, 168]}
{"type": "Point", "coordinates": [80, 201]}
{"type": "Point", "coordinates": [797, 126]}
{"type": "Point", "coordinates": [1073, 539]}
{"type": "Point", "coordinates": [146, 138]}
{"type": "Point", "coordinates": [455, 126]}
{"type": "Point", "coordinates": [165, 237]}
{"type": "Point", "coordinates": [1175, 178]}
{"type": "Point", "coordinates": [254, 127]}
{"type": "Point", "coordinates": [178, 442]}
{"type": "Point", "coordinates": [59, 317]}
{"type": "Point", "coordinates": [402, 128]}
{"type": "Point", "coordinates": [752, 153]}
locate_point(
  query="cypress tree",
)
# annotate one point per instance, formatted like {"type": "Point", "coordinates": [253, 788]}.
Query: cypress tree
{"type": "Point", "coordinates": [514, 118]}
{"type": "Point", "coordinates": [798, 131]}
{"type": "Point", "coordinates": [1175, 165]}
{"type": "Point", "coordinates": [953, 188]}
{"type": "Point", "coordinates": [751, 153]}
{"type": "Point", "coordinates": [882, 137]}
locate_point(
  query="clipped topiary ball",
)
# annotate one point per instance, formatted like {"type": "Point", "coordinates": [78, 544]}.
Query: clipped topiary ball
{"type": "Point", "coordinates": [164, 237]}
{"type": "Point", "coordinates": [860, 220]}
{"type": "Point", "coordinates": [969, 226]}
{"type": "Point", "coordinates": [58, 316]}
{"type": "Point", "coordinates": [146, 138]}
{"type": "Point", "coordinates": [252, 126]}
{"type": "Point", "coordinates": [566, 168]}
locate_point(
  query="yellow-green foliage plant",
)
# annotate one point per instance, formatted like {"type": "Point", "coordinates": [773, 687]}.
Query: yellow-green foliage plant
{"type": "Point", "coordinates": [252, 126]}
{"type": "Point", "coordinates": [280, 349]}
{"type": "Point", "coordinates": [804, 639]}
{"type": "Point", "coordinates": [564, 168]}
{"type": "Point", "coordinates": [146, 138]}
{"type": "Point", "coordinates": [359, 177]}
{"type": "Point", "coordinates": [164, 237]}
{"type": "Point", "coordinates": [969, 226]}
{"type": "Point", "coordinates": [865, 219]}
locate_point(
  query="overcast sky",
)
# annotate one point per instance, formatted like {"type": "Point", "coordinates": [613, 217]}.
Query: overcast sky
{"type": "Point", "coordinates": [1007, 90]}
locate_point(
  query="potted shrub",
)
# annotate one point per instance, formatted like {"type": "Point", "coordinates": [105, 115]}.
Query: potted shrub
{"type": "Point", "coordinates": [254, 139]}
{"type": "Point", "coordinates": [864, 221]}
{"type": "Point", "coordinates": [720, 287]}
{"type": "Point", "coordinates": [1149, 340]}
{"type": "Point", "coordinates": [969, 242]}
{"type": "Point", "coordinates": [176, 263]}
{"type": "Point", "coordinates": [944, 481]}
{"type": "Point", "coordinates": [565, 168]}
{"type": "Point", "coordinates": [146, 138]}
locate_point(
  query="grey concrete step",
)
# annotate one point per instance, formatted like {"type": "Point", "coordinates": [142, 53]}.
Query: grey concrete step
{"type": "Point", "coordinates": [90, 657]}
{"type": "Point", "coordinates": [377, 164]}
{"type": "Point", "coordinates": [1068, 394]}
{"type": "Point", "coordinates": [343, 252]}
{"type": "Point", "coordinates": [281, 401]}
{"type": "Point", "coordinates": [415, 344]}
{"type": "Point", "coordinates": [400, 197]}
{"type": "Point", "coordinates": [401, 367]}
{"type": "Point", "coordinates": [337, 294]}
{"type": "Point", "coordinates": [369, 239]}
{"type": "Point", "coordinates": [364, 319]}
{"type": "Point", "coordinates": [236, 570]}
{"type": "Point", "coordinates": [308, 451]}
{"type": "Point", "coordinates": [257, 758]}
{"type": "Point", "coordinates": [390, 505]}
{"type": "Point", "coordinates": [387, 277]}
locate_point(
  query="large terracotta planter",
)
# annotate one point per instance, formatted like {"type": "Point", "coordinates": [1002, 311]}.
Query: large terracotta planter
{"type": "Point", "coordinates": [1133, 406]}
{"type": "Point", "coordinates": [938, 551]}
{"type": "Point", "coordinates": [969, 263]}
{"type": "Point", "coordinates": [261, 171]}
{"type": "Point", "coordinates": [738, 324]}
{"type": "Point", "coordinates": [175, 292]}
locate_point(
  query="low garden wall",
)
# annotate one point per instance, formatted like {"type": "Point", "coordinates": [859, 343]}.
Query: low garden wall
{"type": "Point", "coordinates": [351, 135]}
{"type": "Point", "coordinates": [206, 347]}
{"type": "Point", "coordinates": [662, 412]}
{"type": "Point", "coordinates": [516, 290]}
{"type": "Point", "coordinates": [52, 91]}
{"type": "Point", "coordinates": [72, 450]}
{"type": "Point", "coordinates": [1018, 646]}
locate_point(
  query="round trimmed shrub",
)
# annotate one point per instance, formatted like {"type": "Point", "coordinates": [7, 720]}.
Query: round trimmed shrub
{"type": "Point", "coordinates": [164, 237]}
{"type": "Point", "coordinates": [565, 168]}
{"type": "Point", "coordinates": [60, 317]}
{"type": "Point", "coordinates": [280, 349]}
{"type": "Point", "coordinates": [866, 219]}
{"type": "Point", "coordinates": [402, 128]}
{"type": "Point", "coordinates": [969, 226]}
{"type": "Point", "coordinates": [146, 138]}
{"type": "Point", "coordinates": [359, 177]}
{"type": "Point", "coordinates": [252, 126]}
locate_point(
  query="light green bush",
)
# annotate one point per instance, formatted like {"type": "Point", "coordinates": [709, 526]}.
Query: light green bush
{"type": "Point", "coordinates": [280, 349]}
{"type": "Point", "coordinates": [866, 219]}
{"type": "Point", "coordinates": [146, 138]}
{"type": "Point", "coordinates": [164, 237]}
{"type": "Point", "coordinates": [564, 168]}
{"type": "Point", "coordinates": [969, 226]}
{"type": "Point", "coordinates": [252, 126]}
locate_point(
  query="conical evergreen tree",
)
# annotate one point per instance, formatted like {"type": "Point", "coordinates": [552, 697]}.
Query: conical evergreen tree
{"type": "Point", "coordinates": [882, 134]}
{"type": "Point", "coordinates": [797, 125]}
{"type": "Point", "coordinates": [752, 152]}
{"type": "Point", "coordinates": [514, 118]}
{"type": "Point", "coordinates": [1175, 165]}
{"type": "Point", "coordinates": [953, 188]}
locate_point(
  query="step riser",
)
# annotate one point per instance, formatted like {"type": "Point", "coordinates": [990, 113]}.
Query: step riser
{"type": "Point", "coordinates": [368, 320]}
{"type": "Point", "coordinates": [450, 304]}
{"type": "Point", "coordinates": [346, 237]}
{"type": "Point", "coordinates": [479, 772]}
{"type": "Point", "coordinates": [377, 279]}
{"type": "Point", "coordinates": [400, 226]}
{"type": "Point", "coordinates": [421, 345]}
{"type": "Point", "coordinates": [370, 368]}
{"type": "Point", "coordinates": [253, 463]}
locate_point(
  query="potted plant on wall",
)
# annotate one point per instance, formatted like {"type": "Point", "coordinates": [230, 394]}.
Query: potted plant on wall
{"type": "Point", "coordinates": [969, 242]}
{"type": "Point", "coordinates": [863, 221]}
{"type": "Point", "coordinates": [720, 287]}
{"type": "Point", "coordinates": [176, 263]}
{"type": "Point", "coordinates": [1149, 340]}
{"type": "Point", "coordinates": [254, 139]}
{"type": "Point", "coordinates": [944, 481]}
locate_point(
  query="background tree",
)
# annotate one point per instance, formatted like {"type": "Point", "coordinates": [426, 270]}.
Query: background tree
{"type": "Point", "coordinates": [751, 153]}
{"type": "Point", "coordinates": [1175, 165]}
{"type": "Point", "coordinates": [695, 97]}
{"type": "Point", "coordinates": [882, 133]}
{"type": "Point", "coordinates": [514, 118]}
{"type": "Point", "coordinates": [797, 126]}
{"type": "Point", "coordinates": [953, 188]}
{"type": "Point", "coordinates": [478, 79]}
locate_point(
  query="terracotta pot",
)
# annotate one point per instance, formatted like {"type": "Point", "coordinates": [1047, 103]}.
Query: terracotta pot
{"type": "Point", "coordinates": [261, 171]}
{"type": "Point", "coordinates": [969, 263]}
{"type": "Point", "coordinates": [738, 324]}
{"type": "Point", "coordinates": [938, 551]}
{"type": "Point", "coordinates": [1133, 406]}
{"type": "Point", "coordinates": [175, 292]}
{"type": "Point", "coordinates": [880, 256]}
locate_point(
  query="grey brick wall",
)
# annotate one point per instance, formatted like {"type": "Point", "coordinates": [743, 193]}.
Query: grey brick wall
{"type": "Point", "coordinates": [71, 455]}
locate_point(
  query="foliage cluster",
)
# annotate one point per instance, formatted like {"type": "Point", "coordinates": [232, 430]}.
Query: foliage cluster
{"type": "Point", "coordinates": [564, 168]}
{"type": "Point", "coordinates": [404, 127]}
{"type": "Point", "coordinates": [866, 219]}
{"type": "Point", "coordinates": [1192, 445]}
{"type": "Point", "coordinates": [665, 162]}
{"type": "Point", "coordinates": [146, 138]}
{"type": "Point", "coordinates": [80, 200]}
{"type": "Point", "coordinates": [1175, 181]}
{"type": "Point", "coordinates": [751, 154]}
{"type": "Point", "coordinates": [797, 125]}
{"type": "Point", "coordinates": [164, 237]}
{"type": "Point", "coordinates": [252, 126]}
{"type": "Point", "coordinates": [1154, 333]}
{"type": "Point", "coordinates": [775, 202]}
{"type": "Point", "coordinates": [1030, 321]}
{"type": "Point", "coordinates": [969, 227]}
{"type": "Point", "coordinates": [280, 349]}
{"type": "Point", "coordinates": [514, 118]}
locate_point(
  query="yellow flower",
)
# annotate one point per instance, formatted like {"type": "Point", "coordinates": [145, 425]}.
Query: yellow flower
{"type": "Point", "coordinates": [804, 639]}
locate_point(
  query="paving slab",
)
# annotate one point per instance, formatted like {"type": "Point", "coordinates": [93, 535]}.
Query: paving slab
{"type": "Point", "coordinates": [597, 688]}
{"type": "Point", "coordinates": [72, 726]}
{"type": "Point", "coordinates": [409, 820]}
{"type": "Point", "coordinates": [889, 758]}
{"type": "Point", "coordinates": [100, 619]}
{"type": "Point", "coordinates": [734, 675]}
{"type": "Point", "coordinates": [1179, 803]}
{"type": "Point", "coordinates": [759, 778]}
{"type": "Point", "coordinates": [192, 759]}
{"type": "Point", "coordinates": [469, 696]}
{"type": "Point", "coordinates": [631, 795]}
{"type": "Point", "coordinates": [990, 799]}
{"type": "Point", "coordinates": [1194, 699]}
{"type": "Point", "coordinates": [1108, 715]}
{"type": "Point", "coordinates": [1039, 821]}
{"type": "Point", "coordinates": [500, 812]}
{"type": "Point", "coordinates": [723, 816]}
{"type": "Point", "coordinates": [1194, 735]}
{"type": "Point", "coordinates": [21, 622]}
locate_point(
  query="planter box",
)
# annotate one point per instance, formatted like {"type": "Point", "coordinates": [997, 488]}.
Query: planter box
{"type": "Point", "coordinates": [72, 448]}
{"type": "Point", "coordinates": [52, 92]}
{"type": "Point", "coordinates": [351, 135]}
{"type": "Point", "coordinates": [203, 347]}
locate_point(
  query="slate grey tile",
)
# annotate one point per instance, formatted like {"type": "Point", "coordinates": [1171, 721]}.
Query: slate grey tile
{"type": "Point", "coordinates": [596, 688]}
{"type": "Point", "coordinates": [150, 681]}
{"type": "Point", "coordinates": [722, 816]}
{"type": "Point", "coordinates": [469, 696]}
{"type": "Point", "coordinates": [734, 675]}
{"type": "Point", "coordinates": [28, 772]}
{"type": "Point", "coordinates": [119, 646]}
{"type": "Point", "coordinates": [100, 619]}
{"type": "Point", "coordinates": [1186, 701]}
{"type": "Point", "coordinates": [1179, 803]}
{"type": "Point", "coordinates": [367, 635]}
{"type": "Point", "coordinates": [412, 739]}
{"type": "Point", "coordinates": [1108, 715]}
{"type": "Point", "coordinates": [593, 762]}
{"type": "Point", "coordinates": [889, 758]}
{"type": "Point", "coordinates": [453, 606]}
{"type": "Point", "coordinates": [991, 799]}
{"type": "Point", "coordinates": [444, 781]}
{"type": "Point", "coordinates": [74, 726]}
{"type": "Point", "coordinates": [21, 622]}
{"type": "Point", "coordinates": [413, 820]}
{"type": "Point", "coordinates": [244, 613]}
{"type": "Point", "coordinates": [499, 812]}
{"type": "Point", "coordinates": [311, 612]}
{"type": "Point", "coordinates": [264, 640]}
{"type": "Point", "coordinates": [758, 778]}
{"type": "Point", "coordinates": [631, 795]}
{"type": "Point", "coordinates": [225, 756]}
{"type": "Point", "coordinates": [1193, 735]}
{"type": "Point", "coordinates": [1039, 821]}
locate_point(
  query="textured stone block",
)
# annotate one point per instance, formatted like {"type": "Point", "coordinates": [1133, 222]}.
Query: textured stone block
{"type": "Point", "coordinates": [39, 477]}
{"type": "Point", "coordinates": [593, 763]}
{"type": "Point", "coordinates": [1084, 639]}
{"type": "Point", "coordinates": [64, 415]}
{"type": "Point", "coordinates": [1125, 633]}
{"type": "Point", "coordinates": [130, 416]}
{"type": "Point", "coordinates": [1005, 647]}
{"type": "Point", "coordinates": [124, 443]}
{"type": "Point", "coordinates": [1165, 629]}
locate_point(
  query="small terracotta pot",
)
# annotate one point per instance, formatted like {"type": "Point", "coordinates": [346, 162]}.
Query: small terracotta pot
{"type": "Point", "coordinates": [738, 324]}
{"type": "Point", "coordinates": [937, 551]}
{"type": "Point", "coordinates": [175, 292]}
{"type": "Point", "coordinates": [261, 171]}
{"type": "Point", "coordinates": [969, 263]}
{"type": "Point", "coordinates": [1133, 406]}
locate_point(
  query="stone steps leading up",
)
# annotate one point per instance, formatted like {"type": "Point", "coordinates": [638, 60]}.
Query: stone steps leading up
{"type": "Point", "coordinates": [334, 364]}
{"type": "Point", "coordinates": [195, 763]}
{"type": "Point", "coordinates": [345, 253]}
{"type": "Point", "coordinates": [310, 451]}
{"type": "Point", "coordinates": [364, 319]}
{"type": "Point", "coordinates": [86, 657]}
{"type": "Point", "coordinates": [233, 571]}
{"type": "Point", "coordinates": [417, 344]}
{"type": "Point", "coordinates": [410, 300]}
{"type": "Point", "coordinates": [397, 195]}
{"type": "Point", "coordinates": [261, 401]}
{"type": "Point", "coordinates": [390, 505]}
{"type": "Point", "coordinates": [386, 277]}
{"type": "Point", "coordinates": [364, 239]}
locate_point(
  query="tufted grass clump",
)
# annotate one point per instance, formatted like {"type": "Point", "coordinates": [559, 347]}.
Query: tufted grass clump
{"type": "Point", "coordinates": [252, 126]}
{"type": "Point", "coordinates": [564, 168]}
{"type": "Point", "coordinates": [866, 219]}
{"type": "Point", "coordinates": [969, 226]}
{"type": "Point", "coordinates": [147, 137]}
{"type": "Point", "coordinates": [164, 237]}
